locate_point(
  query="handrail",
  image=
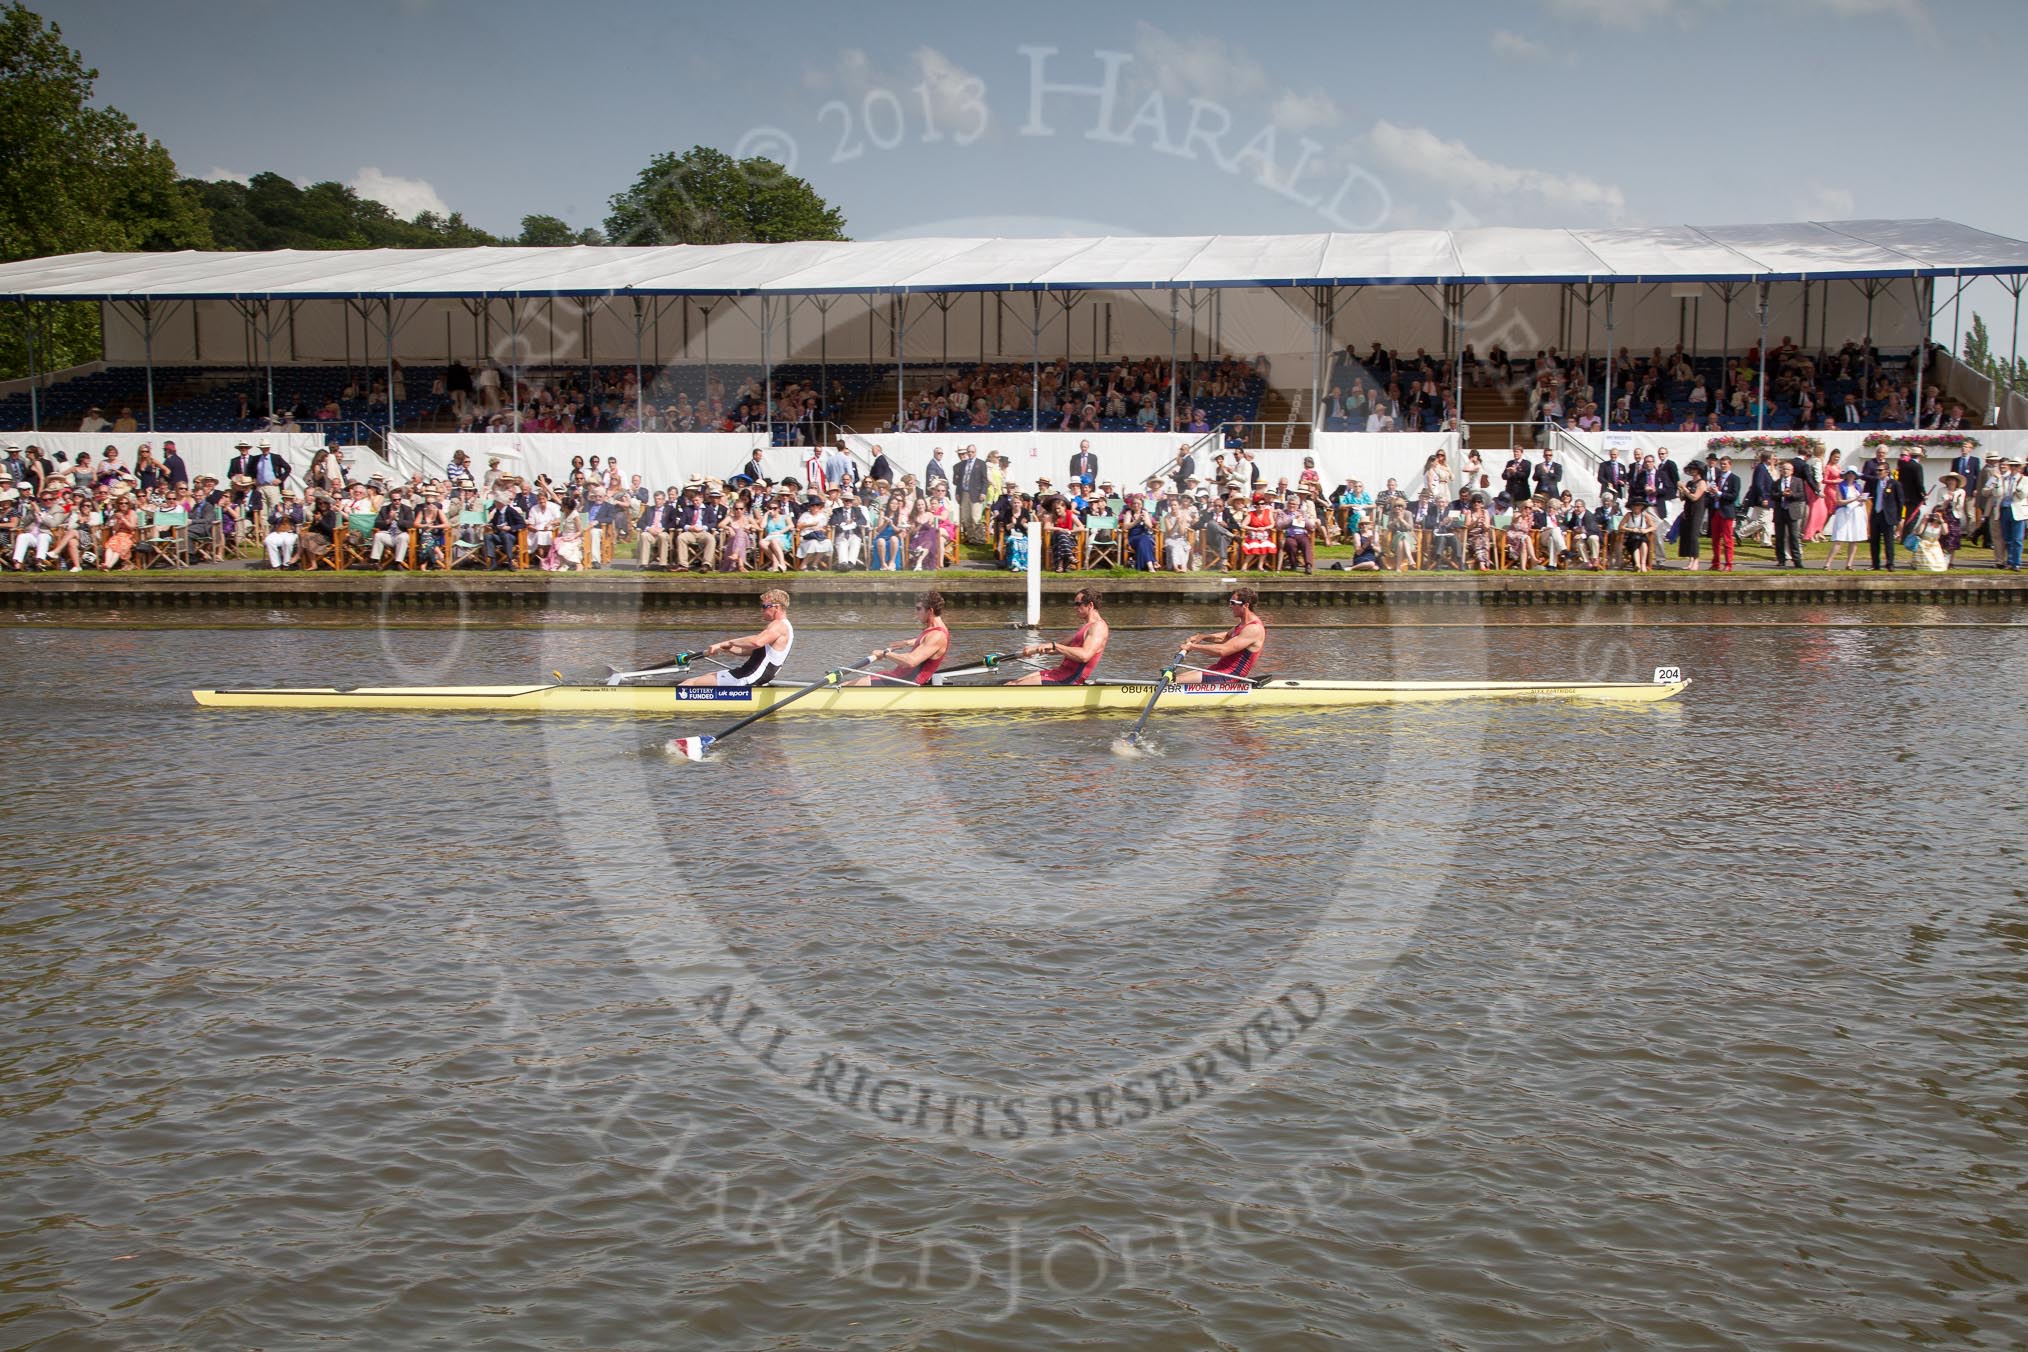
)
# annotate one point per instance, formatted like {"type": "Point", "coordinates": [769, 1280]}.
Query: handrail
{"type": "Point", "coordinates": [1568, 443]}
{"type": "Point", "coordinates": [1216, 434]}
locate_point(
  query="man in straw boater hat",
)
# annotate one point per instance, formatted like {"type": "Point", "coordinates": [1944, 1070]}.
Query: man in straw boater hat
{"type": "Point", "coordinates": [697, 526]}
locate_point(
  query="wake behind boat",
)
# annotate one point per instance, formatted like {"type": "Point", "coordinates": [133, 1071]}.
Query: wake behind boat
{"type": "Point", "coordinates": [1098, 697]}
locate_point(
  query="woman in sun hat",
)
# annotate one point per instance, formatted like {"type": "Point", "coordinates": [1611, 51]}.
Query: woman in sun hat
{"type": "Point", "coordinates": [122, 536]}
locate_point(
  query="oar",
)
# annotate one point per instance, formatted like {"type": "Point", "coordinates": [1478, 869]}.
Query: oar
{"type": "Point", "coordinates": [1133, 738]}
{"type": "Point", "coordinates": [978, 666]}
{"type": "Point", "coordinates": [673, 662]}
{"type": "Point", "coordinates": [695, 747]}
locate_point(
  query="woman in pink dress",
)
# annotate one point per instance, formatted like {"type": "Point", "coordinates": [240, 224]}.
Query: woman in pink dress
{"type": "Point", "coordinates": [1824, 504]}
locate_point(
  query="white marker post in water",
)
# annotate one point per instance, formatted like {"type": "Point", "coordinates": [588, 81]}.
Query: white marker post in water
{"type": "Point", "coordinates": [1034, 573]}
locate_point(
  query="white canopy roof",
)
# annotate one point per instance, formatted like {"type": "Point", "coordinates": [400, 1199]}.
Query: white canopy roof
{"type": "Point", "coordinates": [1796, 251]}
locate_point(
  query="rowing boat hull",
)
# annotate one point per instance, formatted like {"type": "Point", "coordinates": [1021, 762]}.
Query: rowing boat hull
{"type": "Point", "coordinates": [1104, 697]}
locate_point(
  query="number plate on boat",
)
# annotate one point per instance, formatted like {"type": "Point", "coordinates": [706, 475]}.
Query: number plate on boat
{"type": "Point", "coordinates": [1668, 675]}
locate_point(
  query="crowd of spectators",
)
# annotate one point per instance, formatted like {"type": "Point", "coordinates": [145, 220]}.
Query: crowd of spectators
{"type": "Point", "coordinates": [839, 514]}
{"type": "Point", "coordinates": [1131, 395]}
{"type": "Point", "coordinates": [1854, 387]}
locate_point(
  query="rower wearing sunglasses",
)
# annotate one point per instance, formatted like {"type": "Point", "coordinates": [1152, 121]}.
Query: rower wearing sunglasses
{"type": "Point", "coordinates": [765, 652]}
{"type": "Point", "coordinates": [1080, 652]}
{"type": "Point", "coordinates": [1236, 651]}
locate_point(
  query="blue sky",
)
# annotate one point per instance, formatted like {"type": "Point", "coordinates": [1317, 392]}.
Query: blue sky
{"type": "Point", "coordinates": [933, 119]}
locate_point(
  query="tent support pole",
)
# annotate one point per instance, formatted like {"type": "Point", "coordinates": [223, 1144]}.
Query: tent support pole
{"type": "Point", "coordinates": [900, 362]}
{"type": "Point", "coordinates": [1957, 316]}
{"type": "Point", "coordinates": [2014, 356]}
{"type": "Point", "coordinates": [1606, 419]}
{"type": "Point", "coordinates": [767, 365]}
{"type": "Point", "coordinates": [1925, 296]}
{"type": "Point", "coordinates": [1871, 291]}
{"type": "Point", "coordinates": [35, 403]}
{"type": "Point", "coordinates": [1760, 398]}
{"type": "Point", "coordinates": [1173, 303]}
{"type": "Point", "coordinates": [640, 395]}
{"type": "Point", "coordinates": [1806, 314]}
{"type": "Point", "coordinates": [1316, 351]}
{"type": "Point", "coordinates": [823, 354]}
{"type": "Point", "coordinates": [705, 310]}
{"type": "Point", "coordinates": [148, 356]}
{"type": "Point", "coordinates": [268, 336]}
{"type": "Point", "coordinates": [514, 368]}
{"type": "Point", "coordinates": [1459, 371]}
{"type": "Point", "coordinates": [1588, 296]}
{"type": "Point", "coordinates": [1725, 343]}
{"type": "Point", "coordinates": [1035, 364]}
{"type": "Point", "coordinates": [388, 332]}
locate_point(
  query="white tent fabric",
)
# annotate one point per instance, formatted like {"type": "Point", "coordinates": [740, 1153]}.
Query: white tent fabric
{"type": "Point", "coordinates": [1779, 252]}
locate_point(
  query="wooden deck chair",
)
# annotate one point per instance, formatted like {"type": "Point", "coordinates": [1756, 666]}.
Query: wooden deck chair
{"type": "Point", "coordinates": [468, 540]}
{"type": "Point", "coordinates": [204, 536]}
{"type": "Point", "coordinates": [355, 537]}
{"type": "Point", "coordinates": [165, 541]}
{"type": "Point", "coordinates": [1102, 543]}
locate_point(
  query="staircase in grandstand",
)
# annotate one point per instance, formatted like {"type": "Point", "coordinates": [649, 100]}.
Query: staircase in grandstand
{"type": "Point", "coordinates": [1279, 408]}
{"type": "Point", "coordinates": [1496, 417]}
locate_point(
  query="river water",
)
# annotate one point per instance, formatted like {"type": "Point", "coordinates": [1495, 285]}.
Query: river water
{"type": "Point", "coordinates": [1679, 1025]}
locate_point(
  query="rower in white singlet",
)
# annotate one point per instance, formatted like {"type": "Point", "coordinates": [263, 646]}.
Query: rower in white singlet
{"type": "Point", "coordinates": [766, 652]}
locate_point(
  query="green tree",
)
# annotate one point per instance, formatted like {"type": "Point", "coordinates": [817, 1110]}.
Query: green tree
{"type": "Point", "coordinates": [271, 212]}
{"type": "Point", "coordinates": [704, 196]}
{"type": "Point", "coordinates": [1978, 346]}
{"type": "Point", "coordinates": [1980, 356]}
{"type": "Point", "coordinates": [74, 178]}
{"type": "Point", "coordinates": [550, 232]}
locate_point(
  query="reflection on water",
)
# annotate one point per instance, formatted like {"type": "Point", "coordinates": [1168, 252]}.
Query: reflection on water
{"type": "Point", "coordinates": [1678, 1025]}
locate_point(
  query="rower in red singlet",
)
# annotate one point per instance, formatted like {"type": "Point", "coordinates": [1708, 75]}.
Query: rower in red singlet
{"type": "Point", "coordinates": [918, 659]}
{"type": "Point", "coordinates": [1237, 650]}
{"type": "Point", "coordinates": [1080, 652]}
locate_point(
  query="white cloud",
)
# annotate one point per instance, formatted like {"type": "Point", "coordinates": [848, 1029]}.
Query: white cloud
{"type": "Point", "coordinates": [1195, 67]}
{"type": "Point", "coordinates": [1613, 13]}
{"type": "Point", "coordinates": [1420, 151]}
{"type": "Point", "coordinates": [1514, 47]}
{"type": "Point", "coordinates": [405, 197]}
{"type": "Point", "coordinates": [1304, 112]}
{"type": "Point", "coordinates": [1633, 14]}
{"type": "Point", "coordinates": [1912, 10]}
{"type": "Point", "coordinates": [218, 175]}
{"type": "Point", "coordinates": [956, 95]}
{"type": "Point", "coordinates": [1823, 202]}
